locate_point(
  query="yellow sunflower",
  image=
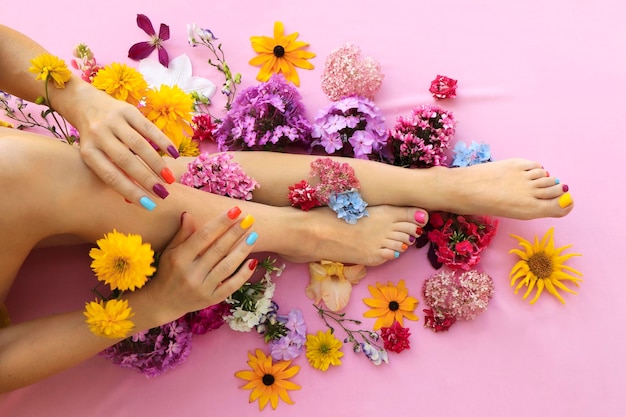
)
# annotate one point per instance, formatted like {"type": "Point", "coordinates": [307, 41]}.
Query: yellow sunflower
{"type": "Point", "coordinates": [542, 265]}
{"type": "Point", "coordinates": [122, 82]}
{"type": "Point", "coordinates": [390, 303]}
{"type": "Point", "coordinates": [111, 319]}
{"type": "Point", "coordinates": [48, 66]}
{"type": "Point", "coordinates": [122, 261]}
{"type": "Point", "coordinates": [323, 349]}
{"type": "Point", "coordinates": [170, 109]}
{"type": "Point", "coordinates": [268, 381]}
{"type": "Point", "coordinates": [280, 54]}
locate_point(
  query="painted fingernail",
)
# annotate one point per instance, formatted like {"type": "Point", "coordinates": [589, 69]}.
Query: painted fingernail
{"type": "Point", "coordinates": [565, 200]}
{"type": "Point", "coordinates": [173, 151]}
{"type": "Point", "coordinates": [246, 222]}
{"type": "Point", "coordinates": [253, 263]}
{"type": "Point", "coordinates": [557, 181]}
{"type": "Point", "coordinates": [182, 216]}
{"type": "Point", "coordinates": [233, 213]}
{"type": "Point", "coordinates": [167, 175]}
{"type": "Point", "coordinates": [547, 174]}
{"type": "Point", "coordinates": [160, 190]}
{"type": "Point", "coordinates": [128, 201]}
{"type": "Point", "coordinates": [396, 254]}
{"type": "Point", "coordinates": [411, 239]}
{"type": "Point", "coordinates": [404, 247]}
{"type": "Point", "coordinates": [565, 188]}
{"type": "Point", "coordinates": [252, 237]}
{"type": "Point", "coordinates": [419, 231]}
{"type": "Point", "coordinates": [147, 203]}
{"type": "Point", "coordinates": [154, 145]}
{"type": "Point", "coordinates": [420, 217]}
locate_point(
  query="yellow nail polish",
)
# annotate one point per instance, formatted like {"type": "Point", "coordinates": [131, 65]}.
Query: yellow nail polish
{"type": "Point", "coordinates": [565, 200]}
{"type": "Point", "coordinates": [246, 222]}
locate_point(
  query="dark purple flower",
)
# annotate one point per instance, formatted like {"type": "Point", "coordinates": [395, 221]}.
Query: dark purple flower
{"type": "Point", "coordinates": [141, 50]}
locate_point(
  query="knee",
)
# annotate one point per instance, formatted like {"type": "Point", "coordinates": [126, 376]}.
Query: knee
{"type": "Point", "coordinates": [17, 155]}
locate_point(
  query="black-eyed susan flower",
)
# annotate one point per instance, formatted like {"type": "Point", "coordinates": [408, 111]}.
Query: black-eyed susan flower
{"type": "Point", "coordinates": [48, 66]}
{"type": "Point", "coordinates": [390, 303]}
{"type": "Point", "coordinates": [542, 266]}
{"type": "Point", "coordinates": [122, 82]}
{"type": "Point", "coordinates": [171, 110]}
{"type": "Point", "coordinates": [323, 349]}
{"type": "Point", "coordinates": [268, 381]}
{"type": "Point", "coordinates": [122, 261]}
{"type": "Point", "coordinates": [110, 319]}
{"type": "Point", "coordinates": [280, 54]}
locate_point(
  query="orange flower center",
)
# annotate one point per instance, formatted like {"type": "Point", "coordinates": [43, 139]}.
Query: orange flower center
{"type": "Point", "coordinates": [540, 265]}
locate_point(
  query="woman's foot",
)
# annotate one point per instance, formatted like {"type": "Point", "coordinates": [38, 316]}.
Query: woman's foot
{"type": "Point", "coordinates": [383, 235]}
{"type": "Point", "coordinates": [513, 188]}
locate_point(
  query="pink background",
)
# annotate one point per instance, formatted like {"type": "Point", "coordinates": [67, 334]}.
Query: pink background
{"type": "Point", "coordinates": [543, 80]}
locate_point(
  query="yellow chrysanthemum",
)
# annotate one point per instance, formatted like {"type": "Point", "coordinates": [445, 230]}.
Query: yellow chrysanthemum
{"type": "Point", "coordinates": [5, 124]}
{"type": "Point", "coordinates": [122, 261]}
{"type": "Point", "coordinates": [280, 54]}
{"type": "Point", "coordinates": [390, 303]}
{"type": "Point", "coordinates": [170, 109]}
{"type": "Point", "coordinates": [268, 381]}
{"type": "Point", "coordinates": [48, 66]}
{"type": "Point", "coordinates": [323, 350]}
{"type": "Point", "coordinates": [122, 82]}
{"type": "Point", "coordinates": [188, 147]}
{"type": "Point", "coordinates": [111, 319]}
{"type": "Point", "coordinates": [542, 266]}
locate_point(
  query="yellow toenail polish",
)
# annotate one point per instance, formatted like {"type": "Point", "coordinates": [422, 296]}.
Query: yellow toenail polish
{"type": "Point", "coordinates": [565, 200]}
{"type": "Point", "coordinates": [246, 222]}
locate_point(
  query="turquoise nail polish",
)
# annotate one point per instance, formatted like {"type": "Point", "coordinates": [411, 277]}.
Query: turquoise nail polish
{"type": "Point", "coordinates": [557, 181]}
{"type": "Point", "coordinates": [252, 238]}
{"type": "Point", "coordinates": [396, 254]}
{"type": "Point", "coordinates": [147, 203]}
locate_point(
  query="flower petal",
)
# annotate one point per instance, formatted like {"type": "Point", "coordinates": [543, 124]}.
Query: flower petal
{"type": "Point", "coordinates": [145, 24]}
{"type": "Point", "coordinates": [140, 50]}
{"type": "Point", "coordinates": [164, 32]}
{"type": "Point", "coordinates": [164, 58]}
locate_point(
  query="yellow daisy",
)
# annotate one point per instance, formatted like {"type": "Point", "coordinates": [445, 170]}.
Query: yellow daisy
{"type": "Point", "coordinates": [109, 320]}
{"type": "Point", "coordinates": [542, 265]}
{"type": "Point", "coordinates": [5, 124]}
{"type": "Point", "coordinates": [280, 54]}
{"type": "Point", "coordinates": [390, 303]}
{"type": "Point", "coordinates": [268, 381]}
{"type": "Point", "coordinates": [122, 261]}
{"type": "Point", "coordinates": [48, 66]}
{"type": "Point", "coordinates": [122, 82]}
{"type": "Point", "coordinates": [323, 349]}
{"type": "Point", "coordinates": [170, 109]}
{"type": "Point", "coordinates": [188, 147]}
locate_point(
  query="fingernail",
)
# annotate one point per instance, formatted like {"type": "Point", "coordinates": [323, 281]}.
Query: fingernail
{"type": "Point", "coordinates": [233, 213]}
{"type": "Point", "coordinates": [167, 175]}
{"type": "Point", "coordinates": [565, 200]}
{"type": "Point", "coordinates": [547, 174]}
{"type": "Point", "coordinates": [557, 181]}
{"type": "Point", "coordinates": [154, 145]}
{"type": "Point", "coordinates": [565, 188]}
{"type": "Point", "coordinates": [396, 254]}
{"type": "Point", "coordinates": [253, 263]}
{"type": "Point", "coordinates": [420, 217]}
{"type": "Point", "coordinates": [252, 237]}
{"type": "Point", "coordinates": [246, 222]}
{"type": "Point", "coordinates": [173, 151]}
{"type": "Point", "coordinates": [160, 190]}
{"type": "Point", "coordinates": [419, 231]}
{"type": "Point", "coordinates": [411, 239]}
{"type": "Point", "coordinates": [147, 203]}
{"type": "Point", "coordinates": [182, 216]}
{"type": "Point", "coordinates": [128, 201]}
{"type": "Point", "coordinates": [404, 247]}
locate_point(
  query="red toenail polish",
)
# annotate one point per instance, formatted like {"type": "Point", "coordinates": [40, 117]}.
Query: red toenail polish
{"type": "Point", "coordinates": [565, 188]}
{"type": "Point", "coordinates": [419, 231]}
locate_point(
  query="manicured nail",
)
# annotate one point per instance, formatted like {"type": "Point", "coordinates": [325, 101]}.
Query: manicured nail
{"type": "Point", "coordinates": [411, 239]}
{"type": "Point", "coordinates": [404, 247]}
{"type": "Point", "coordinates": [252, 237]}
{"type": "Point", "coordinates": [233, 213]}
{"type": "Point", "coordinates": [565, 200]}
{"type": "Point", "coordinates": [167, 175]}
{"type": "Point", "coordinates": [420, 217]}
{"type": "Point", "coordinates": [557, 181]}
{"type": "Point", "coordinates": [419, 231]}
{"type": "Point", "coordinates": [173, 151]}
{"type": "Point", "coordinates": [182, 216]}
{"type": "Point", "coordinates": [128, 201]}
{"type": "Point", "coordinates": [147, 203]}
{"type": "Point", "coordinates": [547, 174]}
{"type": "Point", "coordinates": [396, 254]}
{"type": "Point", "coordinates": [160, 190]}
{"type": "Point", "coordinates": [253, 263]}
{"type": "Point", "coordinates": [154, 145]}
{"type": "Point", "coordinates": [565, 188]}
{"type": "Point", "coordinates": [246, 222]}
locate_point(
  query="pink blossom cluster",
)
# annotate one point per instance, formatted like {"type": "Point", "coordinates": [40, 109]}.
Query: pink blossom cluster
{"type": "Point", "coordinates": [459, 296]}
{"type": "Point", "coordinates": [218, 174]}
{"type": "Point", "coordinates": [457, 240]}
{"type": "Point", "coordinates": [421, 140]}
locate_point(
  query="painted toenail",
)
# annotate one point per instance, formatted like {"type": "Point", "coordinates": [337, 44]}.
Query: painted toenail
{"type": "Point", "coordinates": [411, 239]}
{"type": "Point", "coordinates": [565, 188]}
{"type": "Point", "coordinates": [419, 231]}
{"type": "Point", "coordinates": [404, 247]}
{"type": "Point", "coordinates": [557, 181]}
{"type": "Point", "coordinates": [565, 200]}
{"type": "Point", "coordinates": [420, 217]}
{"type": "Point", "coordinates": [396, 254]}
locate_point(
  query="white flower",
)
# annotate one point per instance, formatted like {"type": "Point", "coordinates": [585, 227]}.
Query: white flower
{"type": "Point", "coordinates": [205, 35]}
{"type": "Point", "coordinates": [177, 74]}
{"type": "Point", "coordinates": [263, 306]}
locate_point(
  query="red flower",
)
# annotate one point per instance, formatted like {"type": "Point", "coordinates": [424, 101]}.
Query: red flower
{"type": "Point", "coordinates": [438, 322]}
{"type": "Point", "coordinates": [396, 337]}
{"type": "Point", "coordinates": [203, 127]}
{"type": "Point", "coordinates": [304, 196]}
{"type": "Point", "coordinates": [443, 87]}
{"type": "Point", "coordinates": [141, 50]}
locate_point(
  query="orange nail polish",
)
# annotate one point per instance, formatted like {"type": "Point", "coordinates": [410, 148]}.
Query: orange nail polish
{"type": "Point", "coordinates": [404, 247]}
{"type": "Point", "coordinates": [233, 213]}
{"type": "Point", "coordinates": [167, 175]}
{"type": "Point", "coordinates": [246, 222]}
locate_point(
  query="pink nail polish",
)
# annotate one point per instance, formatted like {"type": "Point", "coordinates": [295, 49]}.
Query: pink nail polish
{"type": "Point", "coordinates": [565, 188]}
{"type": "Point", "coordinates": [420, 217]}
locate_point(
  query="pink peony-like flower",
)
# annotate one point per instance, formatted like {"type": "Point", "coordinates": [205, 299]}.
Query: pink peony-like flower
{"type": "Point", "coordinates": [347, 72]}
{"type": "Point", "coordinates": [203, 127]}
{"type": "Point", "coordinates": [443, 87]}
{"type": "Point", "coordinates": [396, 337]}
{"type": "Point", "coordinates": [302, 195]}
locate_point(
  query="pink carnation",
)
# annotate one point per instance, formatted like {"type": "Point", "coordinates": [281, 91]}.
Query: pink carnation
{"type": "Point", "coordinates": [443, 87]}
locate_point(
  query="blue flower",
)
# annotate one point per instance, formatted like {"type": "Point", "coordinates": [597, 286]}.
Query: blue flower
{"type": "Point", "coordinates": [348, 205]}
{"type": "Point", "coordinates": [465, 156]}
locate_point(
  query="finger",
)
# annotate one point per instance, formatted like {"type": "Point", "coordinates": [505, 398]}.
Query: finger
{"type": "Point", "coordinates": [235, 281]}
{"type": "Point", "coordinates": [186, 230]}
{"type": "Point", "coordinates": [204, 237]}
{"type": "Point", "coordinates": [149, 131]}
{"type": "Point", "coordinates": [224, 245]}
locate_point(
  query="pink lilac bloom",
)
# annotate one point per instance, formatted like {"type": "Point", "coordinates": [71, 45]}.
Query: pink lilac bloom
{"type": "Point", "coordinates": [268, 117]}
{"type": "Point", "coordinates": [421, 140]}
{"type": "Point", "coordinates": [353, 126]}
{"type": "Point", "coordinates": [218, 174]}
{"type": "Point", "coordinates": [142, 50]}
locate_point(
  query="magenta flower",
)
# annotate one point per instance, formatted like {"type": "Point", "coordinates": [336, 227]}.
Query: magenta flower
{"type": "Point", "coordinates": [141, 50]}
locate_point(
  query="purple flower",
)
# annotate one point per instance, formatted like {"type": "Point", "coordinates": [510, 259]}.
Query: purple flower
{"type": "Point", "coordinates": [141, 50]}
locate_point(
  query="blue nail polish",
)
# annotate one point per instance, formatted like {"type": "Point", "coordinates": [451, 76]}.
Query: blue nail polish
{"type": "Point", "coordinates": [396, 254]}
{"type": "Point", "coordinates": [252, 238]}
{"type": "Point", "coordinates": [147, 203]}
{"type": "Point", "coordinates": [557, 181]}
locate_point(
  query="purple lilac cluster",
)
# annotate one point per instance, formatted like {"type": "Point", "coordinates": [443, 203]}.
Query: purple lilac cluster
{"type": "Point", "coordinates": [268, 117]}
{"type": "Point", "coordinates": [289, 345]}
